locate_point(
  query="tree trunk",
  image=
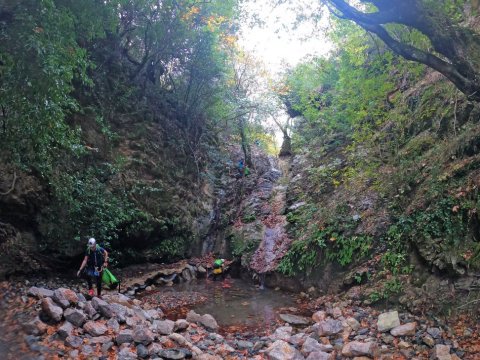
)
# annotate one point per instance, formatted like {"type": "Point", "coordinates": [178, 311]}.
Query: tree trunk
{"type": "Point", "coordinates": [286, 149]}
{"type": "Point", "coordinates": [457, 47]}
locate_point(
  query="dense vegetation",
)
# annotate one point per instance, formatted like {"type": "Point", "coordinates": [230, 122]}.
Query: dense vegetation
{"type": "Point", "coordinates": [117, 108]}
{"type": "Point", "coordinates": [390, 159]}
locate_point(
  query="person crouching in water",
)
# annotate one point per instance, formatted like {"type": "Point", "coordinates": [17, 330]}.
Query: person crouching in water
{"type": "Point", "coordinates": [95, 260]}
{"type": "Point", "coordinates": [218, 270]}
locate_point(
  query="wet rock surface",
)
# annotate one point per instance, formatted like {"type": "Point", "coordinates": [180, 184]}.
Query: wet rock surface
{"type": "Point", "coordinates": [337, 330]}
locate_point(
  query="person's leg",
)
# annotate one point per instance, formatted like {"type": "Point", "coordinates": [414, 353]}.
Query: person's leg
{"type": "Point", "coordinates": [99, 284]}
{"type": "Point", "coordinates": [89, 282]}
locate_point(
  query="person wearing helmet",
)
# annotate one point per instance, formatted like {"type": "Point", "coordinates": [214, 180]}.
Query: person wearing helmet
{"type": "Point", "coordinates": [95, 260]}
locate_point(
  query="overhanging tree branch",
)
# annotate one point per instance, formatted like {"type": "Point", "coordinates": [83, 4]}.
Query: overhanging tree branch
{"type": "Point", "coordinates": [459, 46]}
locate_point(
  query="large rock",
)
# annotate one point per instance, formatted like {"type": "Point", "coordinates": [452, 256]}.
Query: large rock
{"type": "Point", "coordinates": [164, 327]}
{"type": "Point", "coordinates": [187, 275]}
{"type": "Point", "coordinates": [124, 337]}
{"type": "Point", "coordinates": [142, 351]}
{"type": "Point", "coordinates": [353, 323]}
{"type": "Point", "coordinates": [102, 307]}
{"type": "Point", "coordinates": [311, 345]}
{"type": "Point", "coordinates": [35, 327]}
{"type": "Point", "coordinates": [120, 312]}
{"type": "Point", "coordinates": [328, 327]}
{"type": "Point", "coordinates": [320, 355]}
{"type": "Point", "coordinates": [281, 350]}
{"type": "Point", "coordinates": [209, 322]}
{"type": "Point", "coordinates": [441, 352]}
{"type": "Point", "coordinates": [154, 349]}
{"type": "Point", "coordinates": [65, 297]}
{"type": "Point", "coordinates": [172, 354]}
{"type": "Point", "coordinates": [282, 333]}
{"type": "Point", "coordinates": [95, 328]}
{"type": "Point", "coordinates": [181, 325]}
{"type": "Point", "coordinates": [100, 340]}
{"type": "Point", "coordinates": [357, 348]}
{"type": "Point", "coordinates": [113, 325]}
{"type": "Point", "coordinates": [206, 320]}
{"type": "Point", "coordinates": [89, 310]}
{"type": "Point", "coordinates": [65, 330]}
{"type": "Point", "coordinates": [155, 314]}
{"type": "Point", "coordinates": [319, 316]}
{"type": "Point", "coordinates": [295, 319]}
{"type": "Point", "coordinates": [76, 317]}
{"type": "Point", "coordinates": [142, 335]}
{"type": "Point", "coordinates": [74, 341]}
{"type": "Point", "coordinates": [388, 321]}
{"type": "Point", "coordinates": [193, 317]}
{"type": "Point", "coordinates": [53, 311]}
{"type": "Point", "coordinates": [39, 293]}
{"type": "Point", "coordinates": [404, 330]}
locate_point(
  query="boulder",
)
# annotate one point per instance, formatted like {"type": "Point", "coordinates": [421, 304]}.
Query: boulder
{"type": "Point", "coordinates": [441, 352]}
{"type": "Point", "coordinates": [209, 322]}
{"type": "Point", "coordinates": [281, 350]}
{"type": "Point", "coordinates": [89, 310]}
{"type": "Point", "coordinates": [65, 330]}
{"type": "Point", "coordinates": [319, 316]}
{"type": "Point", "coordinates": [65, 297]}
{"type": "Point", "coordinates": [353, 323]}
{"type": "Point", "coordinates": [282, 333]}
{"type": "Point", "coordinates": [53, 311]}
{"type": "Point", "coordinates": [73, 341]}
{"type": "Point", "coordinates": [311, 345]}
{"type": "Point", "coordinates": [142, 351]}
{"type": "Point", "coordinates": [142, 335]}
{"type": "Point", "coordinates": [124, 337]}
{"type": "Point", "coordinates": [35, 327]}
{"type": "Point", "coordinates": [154, 349]}
{"type": "Point", "coordinates": [179, 339]}
{"type": "Point", "coordinates": [39, 293]}
{"type": "Point", "coordinates": [295, 319]}
{"type": "Point", "coordinates": [328, 327]}
{"type": "Point", "coordinates": [187, 275]}
{"type": "Point", "coordinates": [408, 329]}
{"type": "Point", "coordinates": [172, 354]}
{"type": "Point", "coordinates": [106, 347]}
{"type": "Point", "coordinates": [181, 325]}
{"type": "Point", "coordinates": [388, 321]}
{"type": "Point", "coordinates": [95, 328]}
{"type": "Point", "coordinates": [113, 325]}
{"type": "Point", "coordinates": [320, 355]}
{"type": "Point", "coordinates": [164, 327]}
{"type": "Point", "coordinates": [193, 317]}
{"type": "Point", "coordinates": [155, 314]}
{"type": "Point", "coordinates": [76, 317]}
{"type": "Point", "coordinates": [100, 340]}
{"type": "Point", "coordinates": [357, 348]}
{"type": "Point", "coordinates": [102, 307]}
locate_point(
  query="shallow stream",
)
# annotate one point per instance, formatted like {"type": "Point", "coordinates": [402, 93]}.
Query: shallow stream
{"type": "Point", "coordinates": [234, 303]}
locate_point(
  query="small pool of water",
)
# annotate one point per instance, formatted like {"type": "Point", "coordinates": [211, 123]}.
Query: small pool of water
{"type": "Point", "coordinates": [234, 303]}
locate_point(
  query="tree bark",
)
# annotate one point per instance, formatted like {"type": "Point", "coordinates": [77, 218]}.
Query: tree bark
{"type": "Point", "coordinates": [456, 48]}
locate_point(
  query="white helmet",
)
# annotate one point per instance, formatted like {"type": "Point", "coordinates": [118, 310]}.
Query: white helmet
{"type": "Point", "coordinates": [91, 242]}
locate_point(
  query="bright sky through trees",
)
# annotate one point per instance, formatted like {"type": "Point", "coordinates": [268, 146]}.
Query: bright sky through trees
{"type": "Point", "coordinates": [274, 40]}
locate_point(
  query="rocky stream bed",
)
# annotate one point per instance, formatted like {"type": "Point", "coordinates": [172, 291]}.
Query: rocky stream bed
{"type": "Point", "coordinates": [41, 320]}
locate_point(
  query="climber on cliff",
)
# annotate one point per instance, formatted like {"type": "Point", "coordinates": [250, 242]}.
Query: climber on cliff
{"type": "Point", "coordinates": [95, 260]}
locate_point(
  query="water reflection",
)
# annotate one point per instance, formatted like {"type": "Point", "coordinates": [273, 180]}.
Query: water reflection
{"type": "Point", "coordinates": [236, 302]}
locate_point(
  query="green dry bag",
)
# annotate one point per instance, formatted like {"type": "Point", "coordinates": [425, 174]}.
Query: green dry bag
{"type": "Point", "coordinates": [109, 279]}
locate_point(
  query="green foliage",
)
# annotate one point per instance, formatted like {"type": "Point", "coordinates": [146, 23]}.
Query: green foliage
{"type": "Point", "coordinates": [241, 247]}
{"type": "Point", "coordinates": [316, 243]}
